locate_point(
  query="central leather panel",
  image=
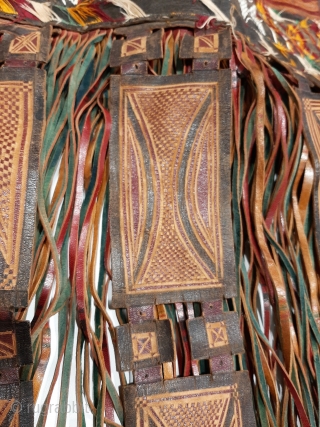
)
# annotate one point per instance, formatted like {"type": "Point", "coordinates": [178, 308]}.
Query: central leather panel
{"type": "Point", "coordinates": [170, 214]}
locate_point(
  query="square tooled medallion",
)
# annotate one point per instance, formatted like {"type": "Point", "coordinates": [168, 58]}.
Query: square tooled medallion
{"type": "Point", "coordinates": [144, 345]}
{"type": "Point", "coordinates": [217, 336]}
{"type": "Point", "coordinates": [206, 43]}
{"type": "Point", "coordinates": [15, 343]}
{"type": "Point", "coordinates": [134, 46]}
{"type": "Point", "coordinates": [26, 43]}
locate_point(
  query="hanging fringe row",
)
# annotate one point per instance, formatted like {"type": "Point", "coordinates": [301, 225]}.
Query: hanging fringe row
{"type": "Point", "coordinates": [295, 41]}
{"type": "Point", "coordinates": [272, 186]}
{"type": "Point", "coordinates": [218, 14]}
{"type": "Point", "coordinates": [84, 13]}
{"type": "Point", "coordinates": [131, 10]}
{"type": "Point", "coordinates": [6, 7]}
{"type": "Point", "coordinates": [41, 11]}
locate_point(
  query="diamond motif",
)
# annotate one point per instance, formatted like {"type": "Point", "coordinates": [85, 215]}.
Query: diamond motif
{"type": "Point", "coordinates": [7, 345]}
{"type": "Point", "coordinates": [5, 406]}
{"type": "Point", "coordinates": [217, 334]}
{"type": "Point", "coordinates": [206, 44]}
{"type": "Point", "coordinates": [134, 46]}
{"type": "Point", "coordinates": [145, 346]}
{"type": "Point", "coordinates": [26, 44]}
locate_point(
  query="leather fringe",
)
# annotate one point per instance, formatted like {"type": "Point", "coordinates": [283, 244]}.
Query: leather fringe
{"type": "Point", "coordinates": [276, 258]}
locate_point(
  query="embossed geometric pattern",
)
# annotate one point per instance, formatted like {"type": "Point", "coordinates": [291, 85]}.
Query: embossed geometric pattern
{"type": "Point", "coordinates": [15, 107]}
{"type": "Point", "coordinates": [5, 406]}
{"type": "Point", "coordinates": [203, 413]}
{"type": "Point", "coordinates": [144, 345]}
{"type": "Point", "coordinates": [217, 334]}
{"type": "Point", "coordinates": [206, 43]}
{"type": "Point", "coordinates": [134, 46]}
{"type": "Point", "coordinates": [170, 255]}
{"type": "Point", "coordinates": [15, 420]}
{"type": "Point", "coordinates": [7, 345]}
{"type": "Point", "coordinates": [16, 403]}
{"type": "Point", "coordinates": [29, 43]}
{"type": "Point", "coordinates": [206, 408]}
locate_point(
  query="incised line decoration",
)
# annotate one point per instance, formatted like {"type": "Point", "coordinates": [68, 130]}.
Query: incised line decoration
{"type": "Point", "coordinates": [169, 187]}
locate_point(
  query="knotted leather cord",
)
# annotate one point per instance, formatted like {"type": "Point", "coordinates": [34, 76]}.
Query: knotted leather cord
{"type": "Point", "coordinates": [272, 186]}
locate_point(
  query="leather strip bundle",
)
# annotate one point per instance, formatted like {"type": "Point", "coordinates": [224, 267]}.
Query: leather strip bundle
{"type": "Point", "coordinates": [207, 228]}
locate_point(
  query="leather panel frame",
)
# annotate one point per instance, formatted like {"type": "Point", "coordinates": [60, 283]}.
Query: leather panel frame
{"type": "Point", "coordinates": [133, 98]}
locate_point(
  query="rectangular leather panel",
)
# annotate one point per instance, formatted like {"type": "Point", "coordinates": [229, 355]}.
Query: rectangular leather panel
{"type": "Point", "coordinates": [170, 188]}
{"type": "Point", "coordinates": [21, 121]}
{"type": "Point", "coordinates": [24, 43]}
{"type": "Point", "coordinates": [222, 400]}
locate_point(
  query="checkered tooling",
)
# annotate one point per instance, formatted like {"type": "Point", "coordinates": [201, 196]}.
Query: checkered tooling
{"type": "Point", "coordinates": [12, 108]}
{"type": "Point", "coordinates": [168, 114]}
{"type": "Point", "coordinates": [207, 413]}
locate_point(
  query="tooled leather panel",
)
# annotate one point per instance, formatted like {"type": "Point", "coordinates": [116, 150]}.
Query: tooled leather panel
{"type": "Point", "coordinates": [172, 241]}
{"type": "Point", "coordinates": [21, 121]}
{"type": "Point", "coordinates": [222, 400]}
{"type": "Point", "coordinates": [22, 98]}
